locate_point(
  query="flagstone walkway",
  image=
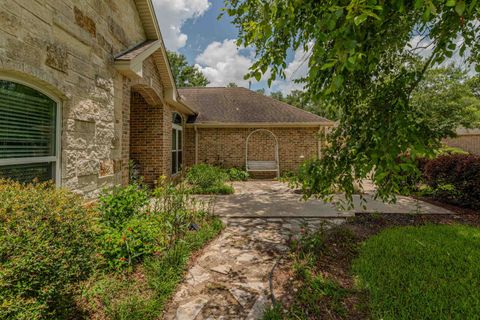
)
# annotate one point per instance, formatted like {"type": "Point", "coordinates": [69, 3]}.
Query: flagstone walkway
{"type": "Point", "coordinates": [230, 280]}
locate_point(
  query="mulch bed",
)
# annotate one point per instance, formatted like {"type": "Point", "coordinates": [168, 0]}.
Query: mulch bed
{"type": "Point", "coordinates": [341, 243]}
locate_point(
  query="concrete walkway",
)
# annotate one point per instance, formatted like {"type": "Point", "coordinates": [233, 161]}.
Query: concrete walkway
{"type": "Point", "coordinates": [230, 279]}
{"type": "Point", "coordinates": [264, 199]}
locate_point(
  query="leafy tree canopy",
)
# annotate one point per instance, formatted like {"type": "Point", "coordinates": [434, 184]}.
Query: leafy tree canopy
{"type": "Point", "coordinates": [361, 58]}
{"type": "Point", "coordinates": [185, 75]}
{"type": "Point", "coordinates": [446, 100]}
{"type": "Point", "coordinates": [300, 99]}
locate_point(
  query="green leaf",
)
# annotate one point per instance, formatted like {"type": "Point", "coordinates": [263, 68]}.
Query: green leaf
{"type": "Point", "coordinates": [477, 68]}
{"type": "Point", "coordinates": [460, 7]}
{"type": "Point", "coordinates": [328, 65]}
{"type": "Point", "coordinates": [451, 3]}
{"type": "Point", "coordinates": [360, 19]}
{"type": "Point", "coordinates": [418, 4]}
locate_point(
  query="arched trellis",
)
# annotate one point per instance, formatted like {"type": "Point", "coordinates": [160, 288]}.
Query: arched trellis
{"type": "Point", "coordinates": [263, 166]}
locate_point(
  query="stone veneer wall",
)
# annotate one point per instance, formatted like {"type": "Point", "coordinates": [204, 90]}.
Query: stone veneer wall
{"type": "Point", "coordinates": [226, 146]}
{"type": "Point", "coordinates": [468, 142]}
{"type": "Point", "coordinates": [67, 48]}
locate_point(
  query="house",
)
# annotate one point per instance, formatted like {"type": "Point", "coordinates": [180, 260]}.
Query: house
{"type": "Point", "coordinates": [86, 89]}
{"type": "Point", "coordinates": [466, 139]}
{"type": "Point", "coordinates": [236, 127]}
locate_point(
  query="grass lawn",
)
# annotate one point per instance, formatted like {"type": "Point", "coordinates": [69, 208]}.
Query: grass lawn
{"type": "Point", "coordinates": [143, 294]}
{"type": "Point", "coordinates": [384, 267]}
{"type": "Point", "coordinates": [427, 272]}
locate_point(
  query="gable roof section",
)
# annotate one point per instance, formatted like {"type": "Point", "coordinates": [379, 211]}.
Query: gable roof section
{"type": "Point", "coordinates": [240, 106]}
{"type": "Point", "coordinates": [130, 62]}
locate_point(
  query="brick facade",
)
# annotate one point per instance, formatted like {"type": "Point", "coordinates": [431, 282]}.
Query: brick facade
{"type": "Point", "coordinates": [226, 146]}
{"type": "Point", "coordinates": [467, 142]}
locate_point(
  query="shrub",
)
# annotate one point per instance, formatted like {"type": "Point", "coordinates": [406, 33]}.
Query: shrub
{"type": "Point", "coordinates": [121, 203]}
{"type": "Point", "coordinates": [138, 237]}
{"type": "Point", "coordinates": [235, 174]}
{"type": "Point", "coordinates": [145, 226]}
{"type": "Point", "coordinates": [46, 247]}
{"type": "Point", "coordinates": [207, 179]}
{"type": "Point", "coordinates": [458, 175]}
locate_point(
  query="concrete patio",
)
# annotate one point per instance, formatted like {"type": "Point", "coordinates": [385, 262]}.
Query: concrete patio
{"type": "Point", "coordinates": [273, 199]}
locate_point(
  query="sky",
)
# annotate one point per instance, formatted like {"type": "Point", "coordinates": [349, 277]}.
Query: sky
{"type": "Point", "coordinates": [191, 27]}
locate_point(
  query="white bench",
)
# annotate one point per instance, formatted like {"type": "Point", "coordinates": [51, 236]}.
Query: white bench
{"type": "Point", "coordinates": [253, 165]}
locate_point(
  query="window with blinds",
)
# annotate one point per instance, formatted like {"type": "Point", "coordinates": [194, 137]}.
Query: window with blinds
{"type": "Point", "coordinates": [27, 133]}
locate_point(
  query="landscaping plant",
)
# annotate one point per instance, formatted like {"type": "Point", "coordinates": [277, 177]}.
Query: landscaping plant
{"type": "Point", "coordinates": [236, 174]}
{"type": "Point", "coordinates": [148, 252]}
{"type": "Point", "coordinates": [46, 248]}
{"type": "Point", "coordinates": [454, 178]}
{"type": "Point", "coordinates": [208, 179]}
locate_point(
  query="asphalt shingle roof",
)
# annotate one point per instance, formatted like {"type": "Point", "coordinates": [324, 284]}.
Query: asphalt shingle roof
{"type": "Point", "coordinates": [240, 105]}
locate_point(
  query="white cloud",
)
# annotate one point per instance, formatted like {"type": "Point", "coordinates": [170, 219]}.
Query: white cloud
{"type": "Point", "coordinates": [296, 69]}
{"type": "Point", "coordinates": [172, 14]}
{"type": "Point", "coordinates": [222, 63]}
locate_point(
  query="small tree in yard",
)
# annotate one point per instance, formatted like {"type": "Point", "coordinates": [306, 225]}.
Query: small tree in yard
{"type": "Point", "coordinates": [362, 57]}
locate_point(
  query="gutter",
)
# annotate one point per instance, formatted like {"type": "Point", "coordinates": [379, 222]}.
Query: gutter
{"type": "Point", "coordinates": [261, 124]}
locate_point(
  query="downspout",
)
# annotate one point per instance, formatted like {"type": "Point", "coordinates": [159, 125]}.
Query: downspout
{"type": "Point", "coordinates": [319, 143]}
{"type": "Point", "coordinates": [196, 144]}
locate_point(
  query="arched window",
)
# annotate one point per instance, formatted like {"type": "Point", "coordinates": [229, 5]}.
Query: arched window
{"type": "Point", "coordinates": [177, 142]}
{"type": "Point", "coordinates": [29, 136]}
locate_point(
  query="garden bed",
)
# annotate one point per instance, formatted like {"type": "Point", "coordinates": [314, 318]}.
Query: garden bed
{"type": "Point", "coordinates": [379, 266]}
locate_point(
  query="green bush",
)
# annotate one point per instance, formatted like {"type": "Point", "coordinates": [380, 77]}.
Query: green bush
{"type": "Point", "coordinates": [136, 223]}
{"type": "Point", "coordinates": [138, 237]}
{"type": "Point", "coordinates": [455, 178]}
{"type": "Point", "coordinates": [46, 247]}
{"type": "Point", "coordinates": [235, 174]}
{"type": "Point", "coordinates": [207, 179]}
{"type": "Point", "coordinates": [120, 204]}
{"type": "Point", "coordinates": [144, 297]}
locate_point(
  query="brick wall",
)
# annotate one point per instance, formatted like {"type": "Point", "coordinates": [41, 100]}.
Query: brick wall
{"type": "Point", "coordinates": [468, 142]}
{"type": "Point", "coordinates": [146, 138]}
{"type": "Point", "coordinates": [226, 146]}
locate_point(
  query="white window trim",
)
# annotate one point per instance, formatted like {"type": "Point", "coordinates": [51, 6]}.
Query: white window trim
{"type": "Point", "coordinates": [179, 129]}
{"type": "Point", "coordinates": [58, 134]}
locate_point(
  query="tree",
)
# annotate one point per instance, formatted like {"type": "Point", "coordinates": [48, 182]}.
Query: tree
{"type": "Point", "coordinates": [361, 58]}
{"type": "Point", "coordinates": [232, 85]}
{"type": "Point", "coordinates": [185, 75]}
{"type": "Point", "coordinates": [446, 100]}
{"type": "Point", "coordinates": [300, 99]}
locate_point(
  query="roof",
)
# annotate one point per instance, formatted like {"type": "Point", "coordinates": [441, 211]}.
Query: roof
{"type": "Point", "coordinates": [243, 106]}
{"type": "Point", "coordinates": [138, 50]}
{"type": "Point", "coordinates": [130, 62]}
{"type": "Point", "coordinates": [468, 132]}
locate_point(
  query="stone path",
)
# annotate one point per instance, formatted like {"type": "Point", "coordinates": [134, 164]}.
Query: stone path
{"type": "Point", "coordinates": [230, 280]}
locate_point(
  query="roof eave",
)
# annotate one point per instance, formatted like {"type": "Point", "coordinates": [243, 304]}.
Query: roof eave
{"type": "Point", "coordinates": [218, 124]}
{"type": "Point", "coordinates": [134, 67]}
